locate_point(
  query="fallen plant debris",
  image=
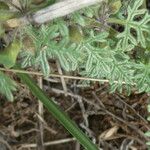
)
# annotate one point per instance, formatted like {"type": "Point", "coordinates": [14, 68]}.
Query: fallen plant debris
{"type": "Point", "coordinates": [111, 120]}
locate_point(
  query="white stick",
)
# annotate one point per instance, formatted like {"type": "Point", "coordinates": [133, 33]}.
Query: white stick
{"type": "Point", "coordinates": [61, 9]}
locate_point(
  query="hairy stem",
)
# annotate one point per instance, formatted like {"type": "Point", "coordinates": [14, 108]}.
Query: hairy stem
{"type": "Point", "coordinates": [117, 21]}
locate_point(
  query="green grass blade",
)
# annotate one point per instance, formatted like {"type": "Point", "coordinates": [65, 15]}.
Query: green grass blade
{"type": "Point", "coordinates": [58, 113]}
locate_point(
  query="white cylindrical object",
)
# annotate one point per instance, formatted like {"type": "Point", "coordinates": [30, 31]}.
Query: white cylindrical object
{"type": "Point", "coordinates": [61, 9]}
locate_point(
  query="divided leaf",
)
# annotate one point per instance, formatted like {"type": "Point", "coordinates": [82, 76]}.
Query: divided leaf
{"type": "Point", "coordinates": [90, 49]}
{"type": "Point", "coordinates": [132, 22]}
{"type": "Point", "coordinates": [43, 62]}
{"type": "Point", "coordinates": [142, 77]}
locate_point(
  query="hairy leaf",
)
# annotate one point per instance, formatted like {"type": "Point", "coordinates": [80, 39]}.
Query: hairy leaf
{"type": "Point", "coordinates": [142, 77]}
{"type": "Point", "coordinates": [9, 55]}
{"type": "Point", "coordinates": [132, 22]}
{"type": "Point", "coordinates": [7, 86]}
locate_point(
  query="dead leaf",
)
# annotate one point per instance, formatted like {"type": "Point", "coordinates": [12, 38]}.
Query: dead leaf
{"type": "Point", "coordinates": [13, 23]}
{"type": "Point", "coordinates": [133, 148]}
{"type": "Point", "coordinates": [109, 133]}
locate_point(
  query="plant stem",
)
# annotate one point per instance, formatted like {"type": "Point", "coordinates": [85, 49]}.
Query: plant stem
{"type": "Point", "coordinates": [58, 113]}
{"type": "Point", "coordinates": [117, 21]}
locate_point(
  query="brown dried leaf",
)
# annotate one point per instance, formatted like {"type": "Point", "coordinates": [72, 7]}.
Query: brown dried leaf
{"type": "Point", "coordinates": [13, 23]}
{"type": "Point", "coordinates": [109, 133]}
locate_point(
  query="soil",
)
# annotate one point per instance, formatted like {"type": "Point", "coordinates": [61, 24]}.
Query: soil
{"type": "Point", "coordinates": [114, 121]}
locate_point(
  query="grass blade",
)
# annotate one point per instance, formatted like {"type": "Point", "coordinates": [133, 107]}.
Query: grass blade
{"type": "Point", "coordinates": [61, 116]}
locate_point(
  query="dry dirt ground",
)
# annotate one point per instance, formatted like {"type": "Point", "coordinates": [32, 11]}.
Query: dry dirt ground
{"type": "Point", "coordinates": [113, 121]}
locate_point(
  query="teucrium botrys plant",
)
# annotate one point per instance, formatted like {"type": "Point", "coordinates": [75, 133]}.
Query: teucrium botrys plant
{"type": "Point", "coordinates": [86, 41]}
{"type": "Point", "coordinates": [89, 46]}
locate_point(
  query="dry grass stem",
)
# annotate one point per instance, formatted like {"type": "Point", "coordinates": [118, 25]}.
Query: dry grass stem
{"type": "Point", "coordinates": [59, 76]}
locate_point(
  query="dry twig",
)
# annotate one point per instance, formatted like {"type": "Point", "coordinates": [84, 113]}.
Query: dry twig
{"type": "Point", "coordinates": [48, 143]}
{"type": "Point", "coordinates": [62, 79]}
{"type": "Point", "coordinates": [59, 76]}
{"type": "Point", "coordinates": [131, 126]}
{"type": "Point", "coordinates": [40, 135]}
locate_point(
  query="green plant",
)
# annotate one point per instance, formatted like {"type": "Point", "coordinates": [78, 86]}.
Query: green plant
{"type": "Point", "coordinates": [100, 55]}
{"type": "Point", "coordinates": [108, 44]}
{"type": "Point", "coordinates": [7, 86]}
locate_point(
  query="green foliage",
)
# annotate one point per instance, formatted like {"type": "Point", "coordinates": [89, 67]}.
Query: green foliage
{"type": "Point", "coordinates": [4, 6]}
{"type": "Point", "coordinates": [115, 6]}
{"type": "Point", "coordinates": [7, 86]}
{"type": "Point", "coordinates": [5, 15]}
{"type": "Point", "coordinates": [82, 43]}
{"type": "Point", "coordinates": [91, 51]}
{"type": "Point", "coordinates": [48, 47]}
{"type": "Point", "coordinates": [2, 30]}
{"type": "Point", "coordinates": [9, 55]}
{"type": "Point", "coordinates": [142, 77]}
{"type": "Point", "coordinates": [132, 22]}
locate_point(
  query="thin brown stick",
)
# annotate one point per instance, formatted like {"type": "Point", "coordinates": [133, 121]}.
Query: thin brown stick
{"type": "Point", "coordinates": [146, 123]}
{"type": "Point", "coordinates": [6, 144]}
{"type": "Point", "coordinates": [137, 130]}
{"type": "Point", "coordinates": [83, 110]}
{"type": "Point", "coordinates": [77, 146]}
{"type": "Point", "coordinates": [59, 76]}
{"type": "Point", "coordinates": [45, 125]}
{"type": "Point", "coordinates": [62, 79]}
{"type": "Point", "coordinates": [40, 135]}
{"type": "Point", "coordinates": [49, 143]}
